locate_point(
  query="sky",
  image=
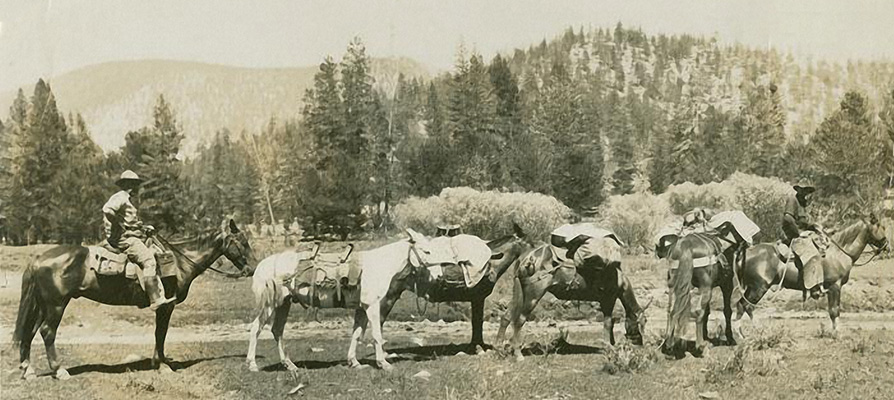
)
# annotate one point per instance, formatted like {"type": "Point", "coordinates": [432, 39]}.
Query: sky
{"type": "Point", "coordinates": [46, 38]}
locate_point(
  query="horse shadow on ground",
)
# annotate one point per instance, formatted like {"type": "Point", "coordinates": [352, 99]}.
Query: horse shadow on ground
{"type": "Point", "coordinates": [433, 352]}
{"type": "Point", "coordinates": [140, 365]}
{"type": "Point", "coordinates": [688, 346]}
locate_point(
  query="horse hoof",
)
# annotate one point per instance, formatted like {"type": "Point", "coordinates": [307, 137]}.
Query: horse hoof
{"type": "Point", "coordinates": [385, 366]}
{"type": "Point", "coordinates": [164, 368]}
{"type": "Point", "coordinates": [62, 374]}
{"type": "Point", "coordinates": [354, 364]}
{"type": "Point", "coordinates": [253, 366]}
{"type": "Point", "coordinates": [479, 350]}
{"type": "Point", "coordinates": [29, 374]}
{"type": "Point", "coordinates": [290, 366]}
{"type": "Point", "coordinates": [519, 358]}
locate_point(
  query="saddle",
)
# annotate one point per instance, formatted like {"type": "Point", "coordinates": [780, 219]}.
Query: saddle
{"type": "Point", "coordinates": [332, 279]}
{"type": "Point", "coordinates": [572, 244]}
{"type": "Point", "coordinates": [802, 249]}
{"type": "Point", "coordinates": [441, 255]}
{"type": "Point", "coordinates": [109, 261]}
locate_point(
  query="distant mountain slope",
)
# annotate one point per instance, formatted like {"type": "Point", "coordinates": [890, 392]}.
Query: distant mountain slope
{"type": "Point", "coordinates": [117, 97]}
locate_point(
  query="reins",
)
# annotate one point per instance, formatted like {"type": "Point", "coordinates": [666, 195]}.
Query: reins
{"type": "Point", "coordinates": [192, 263]}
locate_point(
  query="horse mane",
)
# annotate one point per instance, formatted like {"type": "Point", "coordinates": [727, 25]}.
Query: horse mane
{"type": "Point", "coordinates": [493, 244]}
{"type": "Point", "coordinates": [850, 233]}
{"type": "Point", "coordinates": [203, 239]}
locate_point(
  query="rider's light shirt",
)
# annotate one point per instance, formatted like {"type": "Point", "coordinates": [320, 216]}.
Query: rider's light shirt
{"type": "Point", "coordinates": [127, 223]}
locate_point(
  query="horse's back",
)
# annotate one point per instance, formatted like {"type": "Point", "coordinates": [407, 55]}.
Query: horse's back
{"type": "Point", "coordinates": [62, 256]}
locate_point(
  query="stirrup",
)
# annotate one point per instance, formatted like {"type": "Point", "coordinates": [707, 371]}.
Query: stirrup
{"type": "Point", "coordinates": [155, 306]}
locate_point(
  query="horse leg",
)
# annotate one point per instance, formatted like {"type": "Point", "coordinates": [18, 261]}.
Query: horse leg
{"type": "Point", "coordinates": [387, 303]}
{"type": "Point", "coordinates": [608, 324]}
{"type": "Point", "coordinates": [279, 325]}
{"type": "Point", "coordinates": [701, 319]}
{"type": "Point", "coordinates": [360, 323]}
{"type": "Point", "coordinates": [529, 297]}
{"type": "Point", "coordinates": [254, 333]}
{"type": "Point", "coordinates": [511, 313]}
{"type": "Point", "coordinates": [477, 322]}
{"type": "Point", "coordinates": [28, 372]}
{"type": "Point", "coordinates": [162, 320]}
{"type": "Point", "coordinates": [264, 309]}
{"type": "Point", "coordinates": [834, 303]}
{"type": "Point", "coordinates": [375, 322]}
{"type": "Point", "coordinates": [48, 331]}
{"type": "Point", "coordinates": [727, 291]}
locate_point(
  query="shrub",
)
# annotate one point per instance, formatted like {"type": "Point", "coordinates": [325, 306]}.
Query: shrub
{"type": "Point", "coordinates": [635, 218]}
{"type": "Point", "coordinates": [686, 196]}
{"type": "Point", "coordinates": [487, 214]}
{"type": "Point", "coordinates": [628, 358]}
{"type": "Point", "coordinates": [762, 200]}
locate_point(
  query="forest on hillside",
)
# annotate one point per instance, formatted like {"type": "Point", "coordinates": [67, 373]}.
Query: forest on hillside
{"type": "Point", "coordinates": [588, 115]}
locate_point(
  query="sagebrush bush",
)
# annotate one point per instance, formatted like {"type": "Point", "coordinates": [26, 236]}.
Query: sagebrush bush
{"type": "Point", "coordinates": [488, 214]}
{"type": "Point", "coordinates": [628, 358]}
{"type": "Point", "coordinates": [635, 218]}
{"type": "Point", "coordinates": [686, 196]}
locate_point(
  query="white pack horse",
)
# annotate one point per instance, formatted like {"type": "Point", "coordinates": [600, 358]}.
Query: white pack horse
{"type": "Point", "coordinates": [386, 273]}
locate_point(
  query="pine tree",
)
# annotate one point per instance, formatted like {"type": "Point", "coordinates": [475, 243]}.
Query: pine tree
{"type": "Point", "coordinates": [152, 152]}
{"type": "Point", "coordinates": [470, 121]}
{"type": "Point", "coordinates": [621, 136]}
{"type": "Point", "coordinates": [79, 217]}
{"type": "Point", "coordinates": [887, 120]}
{"type": "Point", "coordinates": [36, 198]}
{"type": "Point", "coordinates": [849, 152]}
{"type": "Point", "coordinates": [762, 128]}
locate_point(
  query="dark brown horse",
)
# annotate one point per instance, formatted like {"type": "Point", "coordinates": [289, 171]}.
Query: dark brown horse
{"type": "Point", "coordinates": [61, 274]}
{"type": "Point", "coordinates": [762, 267]}
{"type": "Point", "coordinates": [535, 275]}
{"type": "Point", "coordinates": [708, 250]}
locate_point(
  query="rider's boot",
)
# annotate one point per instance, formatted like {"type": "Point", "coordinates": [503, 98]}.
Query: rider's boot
{"type": "Point", "coordinates": [156, 292]}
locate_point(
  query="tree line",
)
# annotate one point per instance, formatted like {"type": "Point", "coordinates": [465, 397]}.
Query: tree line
{"type": "Point", "coordinates": [588, 115]}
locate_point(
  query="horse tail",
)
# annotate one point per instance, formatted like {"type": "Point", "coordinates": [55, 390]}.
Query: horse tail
{"type": "Point", "coordinates": [682, 284]}
{"type": "Point", "coordinates": [31, 310]}
{"type": "Point", "coordinates": [265, 297]}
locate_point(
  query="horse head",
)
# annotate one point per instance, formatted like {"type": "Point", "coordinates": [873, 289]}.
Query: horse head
{"type": "Point", "coordinates": [236, 247]}
{"type": "Point", "coordinates": [637, 326]}
{"type": "Point", "coordinates": [878, 237]}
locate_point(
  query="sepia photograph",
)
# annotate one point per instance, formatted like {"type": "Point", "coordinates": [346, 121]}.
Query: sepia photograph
{"type": "Point", "coordinates": [454, 199]}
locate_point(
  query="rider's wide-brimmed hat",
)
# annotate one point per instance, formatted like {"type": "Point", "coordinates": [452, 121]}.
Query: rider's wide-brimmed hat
{"type": "Point", "coordinates": [804, 189]}
{"type": "Point", "coordinates": [128, 177]}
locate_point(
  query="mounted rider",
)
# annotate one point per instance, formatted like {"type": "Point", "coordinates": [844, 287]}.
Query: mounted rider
{"type": "Point", "coordinates": [796, 223]}
{"type": "Point", "coordinates": [126, 233]}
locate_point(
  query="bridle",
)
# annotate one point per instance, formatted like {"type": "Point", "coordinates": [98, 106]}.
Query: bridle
{"type": "Point", "coordinates": [193, 264]}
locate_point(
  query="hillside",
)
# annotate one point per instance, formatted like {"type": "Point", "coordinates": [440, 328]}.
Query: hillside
{"type": "Point", "coordinates": [117, 97]}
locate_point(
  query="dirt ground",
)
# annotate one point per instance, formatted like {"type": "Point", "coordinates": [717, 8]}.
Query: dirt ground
{"type": "Point", "coordinates": [788, 354]}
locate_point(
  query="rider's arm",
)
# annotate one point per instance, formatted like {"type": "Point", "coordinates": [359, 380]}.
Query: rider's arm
{"type": "Point", "coordinates": [110, 209]}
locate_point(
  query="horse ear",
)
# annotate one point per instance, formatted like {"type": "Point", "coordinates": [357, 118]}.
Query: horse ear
{"type": "Point", "coordinates": [517, 230]}
{"type": "Point", "coordinates": [233, 227]}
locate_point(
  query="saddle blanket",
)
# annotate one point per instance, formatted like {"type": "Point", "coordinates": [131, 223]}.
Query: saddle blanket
{"type": "Point", "coordinates": [328, 268]}
{"type": "Point", "coordinates": [571, 244]}
{"type": "Point", "coordinates": [105, 262]}
{"type": "Point", "coordinates": [744, 226]}
{"type": "Point", "coordinates": [467, 251]}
